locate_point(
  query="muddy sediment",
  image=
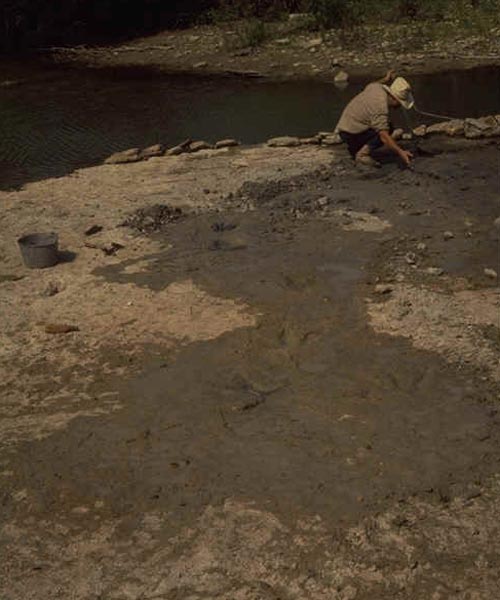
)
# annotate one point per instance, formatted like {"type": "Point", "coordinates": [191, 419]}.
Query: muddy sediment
{"type": "Point", "coordinates": [334, 406]}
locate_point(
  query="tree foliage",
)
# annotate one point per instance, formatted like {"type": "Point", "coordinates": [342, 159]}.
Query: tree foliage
{"type": "Point", "coordinates": [31, 23]}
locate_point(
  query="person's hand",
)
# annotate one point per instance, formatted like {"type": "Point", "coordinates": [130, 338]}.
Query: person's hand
{"type": "Point", "coordinates": [407, 157]}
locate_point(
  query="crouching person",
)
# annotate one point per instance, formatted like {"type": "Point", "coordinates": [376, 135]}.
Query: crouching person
{"type": "Point", "coordinates": [365, 126]}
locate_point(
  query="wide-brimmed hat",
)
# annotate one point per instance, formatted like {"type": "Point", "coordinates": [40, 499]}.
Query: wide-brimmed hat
{"type": "Point", "coordinates": [400, 89]}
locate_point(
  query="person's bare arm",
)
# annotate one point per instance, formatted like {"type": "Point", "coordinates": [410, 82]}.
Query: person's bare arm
{"type": "Point", "coordinates": [387, 140]}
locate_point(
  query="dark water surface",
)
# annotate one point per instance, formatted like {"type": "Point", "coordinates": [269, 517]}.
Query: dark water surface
{"type": "Point", "coordinates": [55, 119]}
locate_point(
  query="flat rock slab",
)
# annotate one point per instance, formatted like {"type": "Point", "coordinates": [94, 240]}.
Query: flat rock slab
{"type": "Point", "coordinates": [197, 146]}
{"type": "Point", "coordinates": [151, 151]}
{"type": "Point", "coordinates": [127, 156]}
{"type": "Point", "coordinates": [229, 143]}
{"type": "Point", "coordinates": [284, 142]}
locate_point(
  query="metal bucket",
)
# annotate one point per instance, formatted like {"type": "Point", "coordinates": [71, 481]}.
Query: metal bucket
{"type": "Point", "coordinates": [39, 250]}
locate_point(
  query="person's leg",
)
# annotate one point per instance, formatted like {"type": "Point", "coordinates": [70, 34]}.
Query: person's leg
{"type": "Point", "coordinates": [362, 146]}
{"type": "Point", "coordinates": [351, 141]}
{"type": "Point", "coordinates": [372, 143]}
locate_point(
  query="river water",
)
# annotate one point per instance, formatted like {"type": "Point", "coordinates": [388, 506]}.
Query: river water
{"type": "Point", "coordinates": [55, 119]}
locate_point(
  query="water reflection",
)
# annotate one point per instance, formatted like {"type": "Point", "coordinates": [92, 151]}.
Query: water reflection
{"type": "Point", "coordinates": [54, 120]}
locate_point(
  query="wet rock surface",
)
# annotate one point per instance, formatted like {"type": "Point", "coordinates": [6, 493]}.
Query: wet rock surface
{"type": "Point", "coordinates": [342, 443]}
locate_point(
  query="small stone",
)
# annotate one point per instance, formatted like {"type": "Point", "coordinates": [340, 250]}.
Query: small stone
{"type": "Point", "coordinates": [51, 290]}
{"type": "Point", "coordinates": [229, 143]}
{"type": "Point", "coordinates": [314, 43]}
{"type": "Point", "coordinates": [299, 16]}
{"type": "Point", "coordinates": [481, 124]}
{"type": "Point", "coordinates": [477, 128]}
{"type": "Point", "coordinates": [421, 247]}
{"type": "Point", "coordinates": [127, 156]}
{"type": "Point", "coordinates": [350, 592]}
{"type": "Point", "coordinates": [197, 146]}
{"type": "Point", "coordinates": [491, 273]}
{"type": "Point", "coordinates": [151, 151]}
{"type": "Point", "coordinates": [455, 128]}
{"type": "Point", "coordinates": [341, 77]}
{"type": "Point", "coordinates": [420, 131]}
{"type": "Point", "coordinates": [323, 201]}
{"type": "Point", "coordinates": [496, 223]}
{"type": "Point", "coordinates": [437, 128]}
{"type": "Point", "coordinates": [324, 134]}
{"type": "Point", "coordinates": [284, 142]}
{"type": "Point", "coordinates": [283, 41]}
{"type": "Point", "coordinates": [411, 258]}
{"type": "Point", "coordinates": [448, 235]}
{"type": "Point", "coordinates": [175, 151]}
{"type": "Point", "coordinates": [397, 134]}
{"type": "Point", "coordinates": [383, 288]}
{"type": "Point", "coordinates": [80, 510]}
{"type": "Point", "coordinates": [92, 230]}
{"type": "Point", "coordinates": [489, 121]}
{"type": "Point", "coordinates": [180, 148]}
{"type": "Point", "coordinates": [240, 164]}
{"type": "Point", "coordinates": [109, 249]}
{"type": "Point", "coordinates": [473, 134]}
{"type": "Point", "coordinates": [310, 141]}
{"type": "Point", "coordinates": [491, 133]}
{"type": "Point", "coordinates": [434, 271]}
{"type": "Point", "coordinates": [407, 137]}
{"type": "Point", "coordinates": [200, 65]}
{"type": "Point", "coordinates": [333, 139]}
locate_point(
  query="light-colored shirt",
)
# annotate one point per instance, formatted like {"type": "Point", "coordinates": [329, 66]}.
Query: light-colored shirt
{"type": "Point", "coordinates": [367, 110]}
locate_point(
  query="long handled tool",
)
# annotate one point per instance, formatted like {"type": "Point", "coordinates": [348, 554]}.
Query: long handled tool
{"type": "Point", "coordinates": [433, 115]}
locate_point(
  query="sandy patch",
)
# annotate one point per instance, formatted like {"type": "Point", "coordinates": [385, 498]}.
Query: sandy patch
{"type": "Point", "coordinates": [44, 387]}
{"type": "Point", "coordinates": [464, 326]}
{"type": "Point", "coordinates": [126, 314]}
{"type": "Point", "coordinates": [361, 221]}
{"type": "Point", "coordinates": [47, 379]}
{"type": "Point", "coordinates": [417, 550]}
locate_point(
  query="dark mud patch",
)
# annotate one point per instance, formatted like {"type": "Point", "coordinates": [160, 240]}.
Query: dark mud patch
{"type": "Point", "coordinates": [153, 218]}
{"type": "Point", "coordinates": [309, 412]}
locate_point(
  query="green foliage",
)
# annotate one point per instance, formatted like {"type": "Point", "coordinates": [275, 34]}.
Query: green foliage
{"type": "Point", "coordinates": [28, 23]}
{"type": "Point", "coordinates": [334, 13]}
{"type": "Point", "coordinates": [227, 10]}
{"type": "Point", "coordinates": [25, 23]}
{"type": "Point", "coordinates": [253, 33]}
{"type": "Point", "coordinates": [349, 13]}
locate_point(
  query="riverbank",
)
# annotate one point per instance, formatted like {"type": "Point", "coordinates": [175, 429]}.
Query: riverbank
{"type": "Point", "coordinates": [303, 360]}
{"type": "Point", "coordinates": [289, 52]}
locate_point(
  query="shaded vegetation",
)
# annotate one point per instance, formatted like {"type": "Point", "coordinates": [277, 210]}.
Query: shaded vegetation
{"type": "Point", "coordinates": [32, 23]}
{"type": "Point", "coordinates": [344, 13]}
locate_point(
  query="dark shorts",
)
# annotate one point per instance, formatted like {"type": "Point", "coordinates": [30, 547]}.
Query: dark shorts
{"type": "Point", "coordinates": [355, 141]}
